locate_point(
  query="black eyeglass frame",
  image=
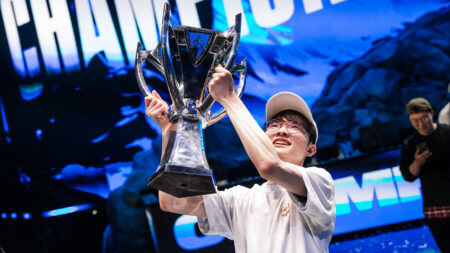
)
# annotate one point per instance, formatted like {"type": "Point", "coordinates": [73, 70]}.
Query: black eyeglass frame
{"type": "Point", "coordinates": [289, 126]}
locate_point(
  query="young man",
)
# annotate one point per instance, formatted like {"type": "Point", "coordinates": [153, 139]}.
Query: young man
{"type": "Point", "coordinates": [294, 211]}
{"type": "Point", "coordinates": [425, 154]}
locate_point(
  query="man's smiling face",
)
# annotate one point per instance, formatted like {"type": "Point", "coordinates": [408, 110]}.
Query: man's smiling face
{"type": "Point", "coordinates": [291, 147]}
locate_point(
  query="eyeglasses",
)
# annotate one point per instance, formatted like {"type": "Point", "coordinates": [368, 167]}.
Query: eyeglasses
{"type": "Point", "coordinates": [422, 119]}
{"type": "Point", "coordinates": [292, 127]}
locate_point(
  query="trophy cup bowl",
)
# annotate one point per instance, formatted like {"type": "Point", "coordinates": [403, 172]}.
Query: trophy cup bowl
{"type": "Point", "coordinates": [187, 58]}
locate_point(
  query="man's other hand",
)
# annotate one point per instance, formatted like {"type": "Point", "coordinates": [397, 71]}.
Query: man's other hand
{"type": "Point", "coordinates": [421, 158]}
{"type": "Point", "coordinates": [221, 85]}
{"type": "Point", "coordinates": [157, 109]}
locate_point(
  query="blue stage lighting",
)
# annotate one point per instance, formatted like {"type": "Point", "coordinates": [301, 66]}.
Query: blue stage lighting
{"type": "Point", "coordinates": [66, 210]}
{"type": "Point", "coordinates": [13, 215]}
{"type": "Point", "coordinates": [26, 216]}
{"type": "Point", "coordinates": [39, 134]}
{"type": "Point", "coordinates": [4, 215]}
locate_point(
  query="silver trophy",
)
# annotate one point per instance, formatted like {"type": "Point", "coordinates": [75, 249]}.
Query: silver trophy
{"type": "Point", "coordinates": [187, 57]}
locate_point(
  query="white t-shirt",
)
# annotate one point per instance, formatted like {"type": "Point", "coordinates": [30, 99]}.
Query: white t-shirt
{"type": "Point", "coordinates": [444, 115]}
{"type": "Point", "coordinates": [266, 218]}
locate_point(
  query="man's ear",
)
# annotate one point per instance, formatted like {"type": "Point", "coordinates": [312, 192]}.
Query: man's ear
{"type": "Point", "coordinates": [311, 150]}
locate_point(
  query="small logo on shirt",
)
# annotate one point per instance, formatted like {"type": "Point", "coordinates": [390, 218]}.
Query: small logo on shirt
{"type": "Point", "coordinates": [286, 210]}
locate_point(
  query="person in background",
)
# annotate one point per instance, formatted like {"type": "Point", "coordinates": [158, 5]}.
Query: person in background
{"type": "Point", "coordinates": [426, 155]}
{"type": "Point", "coordinates": [294, 211]}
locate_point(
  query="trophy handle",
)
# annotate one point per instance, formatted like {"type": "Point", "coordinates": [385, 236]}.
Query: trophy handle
{"type": "Point", "coordinates": [221, 113]}
{"type": "Point", "coordinates": [237, 37]}
{"type": "Point", "coordinates": [140, 55]}
{"type": "Point", "coordinates": [167, 60]}
{"type": "Point", "coordinates": [153, 58]}
{"type": "Point", "coordinates": [208, 102]}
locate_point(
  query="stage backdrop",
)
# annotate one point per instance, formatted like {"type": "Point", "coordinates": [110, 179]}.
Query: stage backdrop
{"type": "Point", "coordinates": [71, 110]}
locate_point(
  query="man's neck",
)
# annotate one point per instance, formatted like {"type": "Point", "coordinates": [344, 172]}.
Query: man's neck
{"type": "Point", "coordinates": [434, 127]}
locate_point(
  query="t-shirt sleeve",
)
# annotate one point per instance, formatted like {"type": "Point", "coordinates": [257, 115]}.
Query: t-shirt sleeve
{"type": "Point", "coordinates": [220, 209]}
{"type": "Point", "coordinates": [319, 210]}
{"type": "Point", "coordinates": [407, 157]}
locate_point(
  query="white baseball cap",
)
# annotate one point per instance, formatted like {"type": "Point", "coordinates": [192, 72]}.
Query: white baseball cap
{"type": "Point", "coordinates": [289, 101]}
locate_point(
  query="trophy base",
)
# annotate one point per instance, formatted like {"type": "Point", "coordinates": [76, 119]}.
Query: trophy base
{"type": "Point", "coordinates": [178, 182]}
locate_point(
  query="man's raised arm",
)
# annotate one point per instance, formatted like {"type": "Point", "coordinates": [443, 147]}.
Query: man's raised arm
{"type": "Point", "coordinates": [257, 144]}
{"type": "Point", "coordinates": [157, 109]}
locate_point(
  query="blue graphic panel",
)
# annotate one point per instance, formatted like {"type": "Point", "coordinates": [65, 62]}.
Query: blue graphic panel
{"type": "Point", "coordinates": [412, 240]}
{"type": "Point", "coordinates": [186, 238]}
{"type": "Point", "coordinates": [382, 197]}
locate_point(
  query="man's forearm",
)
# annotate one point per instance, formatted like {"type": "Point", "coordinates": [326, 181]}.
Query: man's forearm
{"type": "Point", "coordinates": [189, 205]}
{"type": "Point", "coordinates": [165, 132]}
{"type": "Point", "coordinates": [256, 143]}
{"type": "Point", "coordinates": [414, 168]}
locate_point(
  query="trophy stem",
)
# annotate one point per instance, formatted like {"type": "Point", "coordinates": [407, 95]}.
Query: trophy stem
{"type": "Point", "coordinates": [183, 170]}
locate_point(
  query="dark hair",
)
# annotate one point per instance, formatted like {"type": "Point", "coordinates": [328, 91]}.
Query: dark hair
{"type": "Point", "coordinates": [308, 125]}
{"type": "Point", "coordinates": [418, 105]}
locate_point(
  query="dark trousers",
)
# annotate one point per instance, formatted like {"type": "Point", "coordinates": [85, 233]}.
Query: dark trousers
{"type": "Point", "coordinates": [440, 228]}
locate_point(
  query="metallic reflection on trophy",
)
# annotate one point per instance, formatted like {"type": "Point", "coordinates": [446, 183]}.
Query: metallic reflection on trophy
{"type": "Point", "coordinates": [187, 57]}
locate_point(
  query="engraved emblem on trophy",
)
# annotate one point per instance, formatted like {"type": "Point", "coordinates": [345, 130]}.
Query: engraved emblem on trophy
{"type": "Point", "coordinates": [187, 57]}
